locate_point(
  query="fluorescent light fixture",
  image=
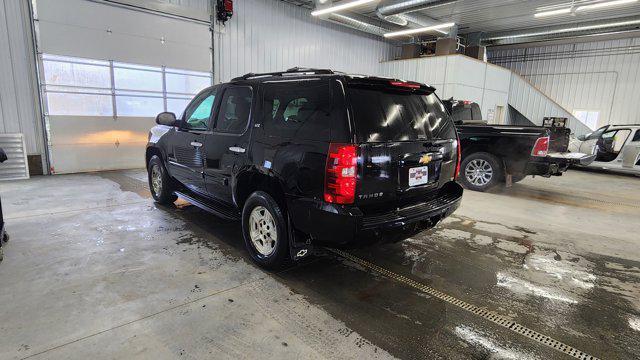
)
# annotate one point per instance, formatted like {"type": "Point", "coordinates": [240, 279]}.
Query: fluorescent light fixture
{"type": "Point", "coordinates": [553, 12]}
{"type": "Point", "coordinates": [340, 7]}
{"type": "Point", "coordinates": [605, 4]}
{"type": "Point", "coordinates": [419, 30]}
{"type": "Point", "coordinates": [566, 30]}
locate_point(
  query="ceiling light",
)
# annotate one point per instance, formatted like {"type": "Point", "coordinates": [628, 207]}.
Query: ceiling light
{"type": "Point", "coordinates": [340, 7]}
{"type": "Point", "coordinates": [604, 4]}
{"type": "Point", "coordinates": [419, 30]}
{"type": "Point", "coordinates": [553, 12]}
{"type": "Point", "coordinates": [565, 30]}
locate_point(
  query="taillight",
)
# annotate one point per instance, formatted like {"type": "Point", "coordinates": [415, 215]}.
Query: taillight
{"type": "Point", "coordinates": [340, 174]}
{"type": "Point", "coordinates": [541, 147]}
{"type": "Point", "coordinates": [459, 160]}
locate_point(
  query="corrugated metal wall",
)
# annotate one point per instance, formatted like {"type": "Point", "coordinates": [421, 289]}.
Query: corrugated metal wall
{"type": "Point", "coordinates": [19, 111]}
{"type": "Point", "coordinates": [535, 105]}
{"type": "Point", "coordinates": [270, 35]}
{"type": "Point", "coordinates": [603, 76]}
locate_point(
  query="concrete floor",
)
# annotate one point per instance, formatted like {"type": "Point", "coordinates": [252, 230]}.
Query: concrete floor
{"type": "Point", "coordinates": [95, 269]}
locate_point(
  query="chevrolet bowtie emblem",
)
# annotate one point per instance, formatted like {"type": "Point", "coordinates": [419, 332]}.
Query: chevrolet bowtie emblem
{"type": "Point", "coordinates": [425, 159]}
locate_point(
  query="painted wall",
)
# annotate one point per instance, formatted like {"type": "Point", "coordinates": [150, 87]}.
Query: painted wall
{"type": "Point", "coordinates": [270, 35]}
{"type": "Point", "coordinates": [602, 76]}
{"type": "Point", "coordinates": [460, 77]}
{"type": "Point", "coordinates": [19, 109]}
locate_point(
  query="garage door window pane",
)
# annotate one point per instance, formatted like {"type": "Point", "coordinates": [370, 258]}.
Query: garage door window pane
{"type": "Point", "coordinates": [186, 84]}
{"type": "Point", "coordinates": [143, 80]}
{"type": "Point", "coordinates": [139, 106]}
{"type": "Point", "coordinates": [177, 106]}
{"type": "Point", "coordinates": [80, 75]}
{"type": "Point", "coordinates": [79, 104]}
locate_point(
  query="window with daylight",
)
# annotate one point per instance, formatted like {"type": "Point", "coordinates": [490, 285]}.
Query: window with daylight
{"type": "Point", "coordinates": [85, 87]}
{"type": "Point", "coordinates": [588, 117]}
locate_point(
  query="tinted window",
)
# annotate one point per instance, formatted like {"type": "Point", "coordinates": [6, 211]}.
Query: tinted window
{"type": "Point", "coordinates": [301, 110]}
{"type": "Point", "coordinates": [199, 111]}
{"type": "Point", "coordinates": [636, 137]}
{"type": "Point", "coordinates": [234, 110]}
{"type": "Point", "coordinates": [464, 112]}
{"type": "Point", "coordinates": [391, 116]}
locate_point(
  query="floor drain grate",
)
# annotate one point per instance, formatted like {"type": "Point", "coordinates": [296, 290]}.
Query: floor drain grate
{"type": "Point", "coordinates": [487, 314]}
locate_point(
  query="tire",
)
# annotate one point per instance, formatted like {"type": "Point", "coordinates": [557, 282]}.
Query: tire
{"type": "Point", "coordinates": [260, 214]}
{"type": "Point", "coordinates": [162, 191]}
{"type": "Point", "coordinates": [480, 171]}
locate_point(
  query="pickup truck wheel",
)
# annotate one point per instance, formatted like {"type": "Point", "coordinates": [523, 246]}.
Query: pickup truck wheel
{"type": "Point", "coordinates": [480, 171]}
{"type": "Point", "coordinates": [159, 182]}
{"type": "Point", "coordinates": [264, 230]}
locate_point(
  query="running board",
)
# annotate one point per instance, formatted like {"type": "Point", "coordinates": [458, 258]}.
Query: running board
{"type": "Point", "coordinates": [213, 207]}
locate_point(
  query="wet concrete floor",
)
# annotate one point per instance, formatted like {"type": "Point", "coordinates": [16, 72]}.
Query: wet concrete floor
{"type": "Point", "coordinates": [95, 268]}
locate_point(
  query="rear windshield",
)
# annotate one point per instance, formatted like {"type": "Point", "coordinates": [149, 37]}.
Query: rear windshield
{"type": "Point", "coordinates": [464, 112]}
{"type": "Point", "coordinates": [381, 115]}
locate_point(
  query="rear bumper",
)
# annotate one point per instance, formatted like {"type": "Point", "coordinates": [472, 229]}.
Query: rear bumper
{"type": "Point", "coordinates": [556, 163]}
{"type": "Point", "coordinates": [336, 225]}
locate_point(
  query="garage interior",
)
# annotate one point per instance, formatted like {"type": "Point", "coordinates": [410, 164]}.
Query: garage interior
{"type": "Point", "coordinates": [544, 268]}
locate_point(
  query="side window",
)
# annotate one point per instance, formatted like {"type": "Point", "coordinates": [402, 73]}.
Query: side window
{"type": "Point", "coordinates": [620, 139]}
{"type": "Point", "coordinates": [636, 137]}
{"type": "Point", "coordinates": [234, 110]}
{"type": "Point", "coordinates": [301, 109]}
{"type": "Point", "coordinates": [199, 111]}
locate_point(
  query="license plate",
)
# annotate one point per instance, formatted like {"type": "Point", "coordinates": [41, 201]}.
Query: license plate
{"type": "Point", "coordinates": [418, 175]}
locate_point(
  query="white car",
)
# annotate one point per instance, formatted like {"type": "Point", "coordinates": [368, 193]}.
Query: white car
{"type": "Point", "coordinates": [617, 147]}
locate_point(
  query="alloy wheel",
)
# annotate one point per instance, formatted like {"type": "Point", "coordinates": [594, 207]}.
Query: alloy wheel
{"type": "Point", "coordinates": [478, 172]}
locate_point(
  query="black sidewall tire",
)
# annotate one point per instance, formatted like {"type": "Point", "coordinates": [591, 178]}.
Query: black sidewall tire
{"type": "Point", "coordinates": [280, 256]}
{"type": "Point", "coordinates": [492, 160]}
{"type": "Point", "coordinates": [166, 196]}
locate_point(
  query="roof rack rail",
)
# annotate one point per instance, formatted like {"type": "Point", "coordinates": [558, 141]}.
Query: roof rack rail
{"type": "Point", "coordinates": [294, 70]}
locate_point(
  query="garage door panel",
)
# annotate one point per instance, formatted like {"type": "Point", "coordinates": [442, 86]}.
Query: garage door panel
{"type": "Point", "coordinates": [86, 143]}
{"type": "Point", "coordinates": [67, 130]}
{"type": "Point", "coordinates": [119, 19]}
{"type": "Point", "coordinates": [73, 158]}
{"type": "Point", "coordinates": [87, 43]}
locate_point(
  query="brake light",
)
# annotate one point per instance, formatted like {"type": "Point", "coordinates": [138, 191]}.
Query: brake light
{"type": "Point", "coordinates": [459, 160]}
{"type": "Point", "coordinates": [541, 147]}
{"type": "Point", "coordinates": [405, 84]}
{"type": "Point", "coordinates": [340, 174]}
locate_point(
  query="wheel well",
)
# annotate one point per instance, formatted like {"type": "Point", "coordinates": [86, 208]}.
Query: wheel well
{"type": "Point", "coordinates": [480, 149]}
{"type": "Point", "coordinates": [249, 182]}
{"type": "Point", "coordinates": [150, 152]}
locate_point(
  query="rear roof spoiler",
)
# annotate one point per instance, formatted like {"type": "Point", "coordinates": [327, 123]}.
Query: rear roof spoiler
{"type": "Point", "coordinates": [389, 83]}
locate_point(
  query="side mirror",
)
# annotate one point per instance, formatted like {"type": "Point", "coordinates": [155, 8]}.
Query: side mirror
{"type": "Point", "coordinates": [166, 118]}
{"type": "Point", "coordinates": [582, 138]}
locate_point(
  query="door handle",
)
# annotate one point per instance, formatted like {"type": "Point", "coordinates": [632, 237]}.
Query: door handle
{"type": "Point", "coordinates": [196, 144]}
{"type": "Point", "coordinates": [237, 149]}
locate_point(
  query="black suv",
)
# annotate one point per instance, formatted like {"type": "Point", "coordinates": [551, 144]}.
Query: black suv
{"type": "Point", "coordinates": [310, 157]}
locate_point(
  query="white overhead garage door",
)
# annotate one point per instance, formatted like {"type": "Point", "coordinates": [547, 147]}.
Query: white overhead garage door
{"type": "Point", "coordinates": [106, 72]}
